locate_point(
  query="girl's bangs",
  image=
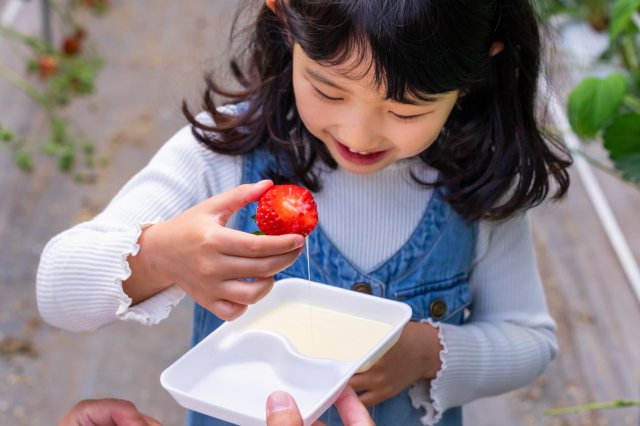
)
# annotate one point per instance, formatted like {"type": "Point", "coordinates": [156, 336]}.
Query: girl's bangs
{"type": "Point", "coordinates": [406, 45]}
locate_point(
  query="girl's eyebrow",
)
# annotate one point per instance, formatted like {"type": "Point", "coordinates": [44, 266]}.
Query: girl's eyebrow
{"type": "Point", "coordinates": [322, 79]}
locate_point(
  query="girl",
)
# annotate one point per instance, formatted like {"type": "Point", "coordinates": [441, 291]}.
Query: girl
{"type": "Point", "coordinates": [413, 123]}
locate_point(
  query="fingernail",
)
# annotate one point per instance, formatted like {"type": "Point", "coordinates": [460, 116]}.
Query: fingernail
{"type": "Point", "coordinates": [299, 241]}
{"type": "Point", "coordinates": [263, 182]}
{"type": "Point", "coordinates": [279, 401]}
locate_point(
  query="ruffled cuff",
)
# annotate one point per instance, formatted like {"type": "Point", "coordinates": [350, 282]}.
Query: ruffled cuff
{"type": "Point", "coordinates": [422, 392]}
{"type": "Point", "coordinates": [154, 309]}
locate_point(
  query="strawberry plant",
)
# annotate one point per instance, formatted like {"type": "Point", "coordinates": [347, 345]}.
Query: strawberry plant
{"type": "Point", "coordinates": [608, 108]}
{"type": "Point", "coordinates": [55, 72]}
{"type": "Point", "coordinates": [595, 12]}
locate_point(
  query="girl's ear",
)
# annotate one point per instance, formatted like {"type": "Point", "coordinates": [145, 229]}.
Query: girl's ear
{"type": "Point", "coordinates": [496, 47]}
{"type": "Point", "coordinates": [271, 4]}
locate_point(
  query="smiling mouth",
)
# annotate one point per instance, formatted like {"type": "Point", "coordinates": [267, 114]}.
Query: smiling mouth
{"type": "Point", "coordinates": [359, 157]}
{"type": "Point", "coordinates": [359, 152]}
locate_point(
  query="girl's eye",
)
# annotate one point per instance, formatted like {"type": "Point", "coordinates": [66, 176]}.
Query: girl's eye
{"type": "Point", "coordinates": [408, 117]}
{"type": "Point", "coordinates": [324, 97]}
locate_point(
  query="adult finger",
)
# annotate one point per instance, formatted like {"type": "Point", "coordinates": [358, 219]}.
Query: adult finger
{"type": "Point", "coordinates": [104, 412]}
{"type": "Point", "coordinates": [351, 410]}
{"type": "Point", "coordinates": [125, 413]}
{"type": "Point", "coordinates": [282, 410]}
{"type": "Point", "coordinates": [151, 421]}
{"type": "Point", "coordinates": [237, 243]}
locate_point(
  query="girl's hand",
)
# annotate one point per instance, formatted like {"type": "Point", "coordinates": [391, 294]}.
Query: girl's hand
{"type": "Point", "coordinates": [416, 355]}
{"type": "Point", "coordinates": [208, 261]}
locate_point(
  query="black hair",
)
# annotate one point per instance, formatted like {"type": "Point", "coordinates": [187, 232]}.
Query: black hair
{"type": "Point", "coordinates": [492, 157]}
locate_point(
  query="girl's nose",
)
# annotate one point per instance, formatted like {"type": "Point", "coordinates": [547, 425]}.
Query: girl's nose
{"type": "Point", "coordinates": [359, 131]}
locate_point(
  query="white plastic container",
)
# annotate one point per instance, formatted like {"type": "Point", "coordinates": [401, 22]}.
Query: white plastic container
{"type": "Point", "coordinates": [231, 372]}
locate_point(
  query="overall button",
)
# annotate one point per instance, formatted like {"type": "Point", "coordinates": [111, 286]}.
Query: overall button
{"type": "Point", "coordinates": [362, 288]}
{"type": "Point", "coordinates": [437, 309]}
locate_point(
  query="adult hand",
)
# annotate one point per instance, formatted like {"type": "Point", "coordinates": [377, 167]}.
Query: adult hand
{"type": "Point", "coordinates": [282, 410]}
{"type": "Point", "coordinates": [106, 412]}
{"type": "Point", "coordinates": [209, 261]}
{"type": "Point", "coordinates": [416, 355]}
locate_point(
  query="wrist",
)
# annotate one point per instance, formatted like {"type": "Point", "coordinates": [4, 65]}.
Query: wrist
{"type": "Point", "coordinates": [432, 361]}
{"type": "Point", "coordinates": [147, 276]}
{"type": "Point", "coordinates": [152, 243]}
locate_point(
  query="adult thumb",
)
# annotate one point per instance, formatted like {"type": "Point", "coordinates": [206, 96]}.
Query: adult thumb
{"type": "Point", "coordinates": [282, 410]}
{"type": "Point", "coordinates": [226, 203]}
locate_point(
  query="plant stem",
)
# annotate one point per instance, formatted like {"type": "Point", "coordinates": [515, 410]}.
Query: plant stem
{"type": "Point", "coordinates": [632, 102]}
{"type": "Point", "coordinates": [593, 406]}
{"type": "Point", "coordinates": [23, 85]}
{"type": "Point", "coordinates": [628, 50]}
{"type": "Point", "coordinates": [605, 168]}
{"type": "Point", "coordinates": [11, 33]}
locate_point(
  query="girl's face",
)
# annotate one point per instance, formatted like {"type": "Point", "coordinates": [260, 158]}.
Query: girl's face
{"type": "Point", "coordinates": [363, 131]}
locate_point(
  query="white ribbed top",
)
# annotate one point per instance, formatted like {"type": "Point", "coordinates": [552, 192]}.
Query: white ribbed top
{"type": "Point", "coordinates": [508, 340]}
{"type": "Point", "coordinates": [374, 214]}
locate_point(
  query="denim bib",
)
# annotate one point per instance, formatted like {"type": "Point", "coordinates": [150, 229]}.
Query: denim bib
{"type": "Point", "coordinates": [430, 273]}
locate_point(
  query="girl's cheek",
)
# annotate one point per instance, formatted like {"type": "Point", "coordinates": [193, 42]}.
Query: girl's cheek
{"type": "Point", "coordinates": [315, 117]}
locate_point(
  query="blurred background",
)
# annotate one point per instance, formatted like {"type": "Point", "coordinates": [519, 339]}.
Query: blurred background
{"type": "Point", "coordinates": [90, 89]}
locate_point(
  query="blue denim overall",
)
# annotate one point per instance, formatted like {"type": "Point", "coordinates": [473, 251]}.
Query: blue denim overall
{"type": "Point", "coordinates": [430, 273]}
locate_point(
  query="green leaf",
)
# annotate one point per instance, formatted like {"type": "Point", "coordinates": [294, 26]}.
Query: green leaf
{"type": "Point", "coordinates": [24, 161]}
{"type": "Point", "coordinates": [88, 147]}
{"type": "Point", "coordinates": [594, 102]}
{"type": "Point", "coordinates": [258, 233]}
{"type": "Point", "coordinates": [622, 140]}
{"type": "Point", "coordinates": [5, 135]}
{"type": "Point", "coordinates": [66, 160]}
{"type": "Point", "coordinates": [51, 148]}
{"type": "Point", "coordinates": [59, 133]}
{"type": "Point", "coordinates": [621, 15]}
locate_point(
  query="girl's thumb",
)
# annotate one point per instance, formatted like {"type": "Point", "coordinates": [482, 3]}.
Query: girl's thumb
{"type": "Point", "coordinates": [226, 203]}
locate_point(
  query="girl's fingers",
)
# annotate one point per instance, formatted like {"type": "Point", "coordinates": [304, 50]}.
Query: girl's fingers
{"type": "Point", "coordinates": [238, 295]}
{"type": "Point", "coordinates": [364, 388]}
{"type": "Point", "coordinates": [243, 244]}
{"type": "Point", "coordinates": [225, 204]}
{"type": "Point", "coordinates": [245, 292]}
{"type": "Point", "coordinates": [359, 382]}
{"type": "Point", "coordinates": [241, 267]}
{"type": "Point", "coordinates": [226, 310]}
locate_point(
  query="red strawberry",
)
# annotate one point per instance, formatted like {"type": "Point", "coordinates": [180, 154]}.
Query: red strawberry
{"type": "Point", "coordinates": [47, 65]}
{"type": "Point", "coordinates": [71, 46]}
{"type": "Point", "coordinates": [287, 209]}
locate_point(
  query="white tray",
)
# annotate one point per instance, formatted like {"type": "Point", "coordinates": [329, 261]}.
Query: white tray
{"type": "Point", "coordinates": [230, 373]}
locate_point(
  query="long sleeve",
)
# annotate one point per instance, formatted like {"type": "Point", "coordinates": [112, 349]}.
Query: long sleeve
{"type": "Point", "coordinates": [79, 280]}
{"type": "Point", "coordinates": [509, 337]}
